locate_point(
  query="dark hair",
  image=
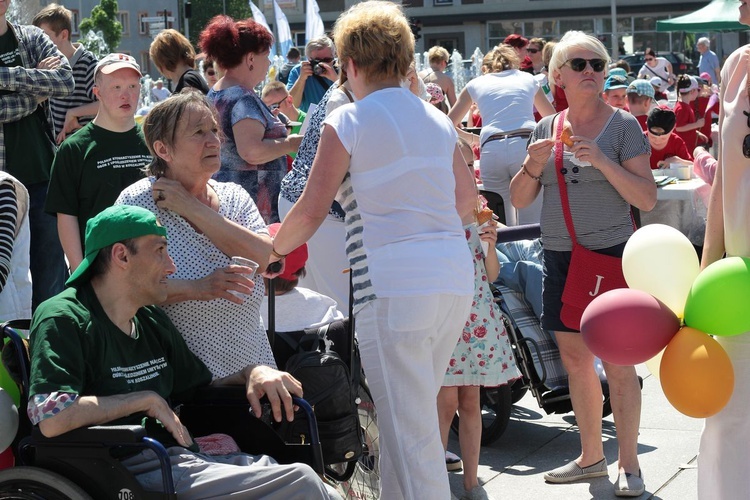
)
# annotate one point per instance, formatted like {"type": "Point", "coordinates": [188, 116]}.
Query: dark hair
{"type": "Point", "coordinates": [649, 52]}
{"type": "Point", "coordinates": [170, 48]}
{"type": "Point", "coordinates": [293, 53]}
{"type": "Point", "coordinates": [161, 123]}
{"type": "Point", "coordinates": [227, 41]}
{"type": "Point", "coordinates": [683, 82]}
{"type": "Point", "coordinates": [104, 257]}
{"type": "Point", "coordinates": [56, 16]}
{"type": "Point", "coordinates": [621, 63]}
{"type": "Point", "coordinates": [283, 286]}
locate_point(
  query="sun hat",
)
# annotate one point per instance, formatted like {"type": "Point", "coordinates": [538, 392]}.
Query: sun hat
{"type": "Point", "coordinates": [294, 260]}
{"type": "Point", "coordinates": [642, 88]}
{"type": "Point", "coordinates": [436, 93]}
{"type": "Point", "coordinates": [112, 62]}
{"type": "Point", "coordinates": [516, 41]}
{"type": "Point", "coordinates": [661, 118]}
{"type": "Point", "coordinates": [114, 224]}
{"type": "Point", "coordinates": [616, 82]}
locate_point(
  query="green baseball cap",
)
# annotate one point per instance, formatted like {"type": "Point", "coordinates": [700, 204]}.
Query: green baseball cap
{"type": "Point", "coordinates": [114, 224]}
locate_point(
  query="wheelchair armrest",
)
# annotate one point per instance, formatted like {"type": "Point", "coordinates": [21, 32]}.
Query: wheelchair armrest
{"type": "Point", "coordinates": [123, 434]}
{"type": "Point", "coordinates": [219, 394]}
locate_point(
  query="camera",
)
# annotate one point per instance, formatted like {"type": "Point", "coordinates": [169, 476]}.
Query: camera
{"type": "Point", "coordinates": [317, 69]}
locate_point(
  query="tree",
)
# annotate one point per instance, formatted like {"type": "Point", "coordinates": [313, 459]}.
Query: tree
{"type": "Point", "coordinates": [103, 20]}
{"type": "Point", "coordinates": [205, 10]}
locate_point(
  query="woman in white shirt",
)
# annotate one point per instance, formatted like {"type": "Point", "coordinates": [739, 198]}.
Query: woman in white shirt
{"type": "Point", "coordinates": [656, 67]}
{"type": "Point", "coordinates": [398, 182]}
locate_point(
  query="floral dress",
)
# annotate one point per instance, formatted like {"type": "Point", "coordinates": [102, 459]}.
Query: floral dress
{"type": "Point", "coordinates": [483, 355]}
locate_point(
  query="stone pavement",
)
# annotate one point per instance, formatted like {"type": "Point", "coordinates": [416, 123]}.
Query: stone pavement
{"type": "Point", "coordinates": [512, 468]}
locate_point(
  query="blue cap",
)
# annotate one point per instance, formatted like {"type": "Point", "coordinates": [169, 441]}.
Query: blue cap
{"type": "Point", "coordinates": [618, 72]}
{"type": "Point", "coordinates": [642, 88]}
{"type": "Point", "coordinates": [616, 82]}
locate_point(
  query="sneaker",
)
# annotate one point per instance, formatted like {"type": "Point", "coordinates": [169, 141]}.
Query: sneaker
{"type": "Point", "coordinates": [453, 462]}
{"type": "Point", "coordinates": [629, 485]}
{"type": "Point", "coordinates": [476, 493]}
{"type": "Point", "coordinates": [574, 472]}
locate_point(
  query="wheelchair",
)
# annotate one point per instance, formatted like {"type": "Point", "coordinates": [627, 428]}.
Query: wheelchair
{"type": "Point", "coordinates": [82, 464]}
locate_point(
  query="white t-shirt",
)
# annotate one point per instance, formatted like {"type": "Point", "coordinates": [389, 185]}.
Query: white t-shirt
{"type": "Point", "coordinates": [301, 308]}
{"type": "Point", "coordinates": [659, 70]}
{"type": "Point", "coordinates": [404, 236]}
{"type": "Point", "coordinates": [505, 100]}
{"type": "Point", "coordinates": [224, 335]}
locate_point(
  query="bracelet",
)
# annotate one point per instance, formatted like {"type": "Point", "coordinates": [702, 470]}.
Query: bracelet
{"type": "Point", "coordinates": [277, 254]}
{"type": "Point", "coordinates": [525, 171]}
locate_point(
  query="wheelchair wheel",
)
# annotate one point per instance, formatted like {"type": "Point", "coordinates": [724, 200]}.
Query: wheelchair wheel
{"type": "Point", "coordinates": [364, 481]}
{"type": "Point", "coordinates": [33, 483]}
{"type": "Point", "coordinates": [496, 404]}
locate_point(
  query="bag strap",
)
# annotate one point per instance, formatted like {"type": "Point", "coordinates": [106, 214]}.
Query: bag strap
{"type": "Point", "coordinates": [654, 73]}
{"type": "Point", "coordinates": [560, 178]}
{"type": "Point", "coordinates": [271, 326]}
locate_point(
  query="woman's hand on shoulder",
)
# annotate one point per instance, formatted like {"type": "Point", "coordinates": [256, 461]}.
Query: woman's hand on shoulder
{"type": "Point", "coordinates": [172, 195]}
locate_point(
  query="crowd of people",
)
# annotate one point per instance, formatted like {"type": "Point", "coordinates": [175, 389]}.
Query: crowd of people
{"type": "Point", "coordinates": [119, 237]}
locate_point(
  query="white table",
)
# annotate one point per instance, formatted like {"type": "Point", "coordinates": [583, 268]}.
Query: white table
{"type": "Point", "coordinates": [681, 205]}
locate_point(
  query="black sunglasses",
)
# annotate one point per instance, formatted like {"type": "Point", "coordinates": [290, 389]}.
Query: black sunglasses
{"type": "Point", "coordinates": [578, 64]}
{"type": "Point", "coordinates": [746, 140]}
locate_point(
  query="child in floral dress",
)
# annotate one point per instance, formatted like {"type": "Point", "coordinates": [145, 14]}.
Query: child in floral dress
{"type": "Point", "coordinates": [482, 357]}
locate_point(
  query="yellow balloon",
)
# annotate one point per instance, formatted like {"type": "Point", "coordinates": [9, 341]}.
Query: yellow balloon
{"type": "Point", "coordinates": [660, 260]}
{"type": "Point", "coordinates": [696, 374]}
{"type": "Point", "coordinates": [654, 364]}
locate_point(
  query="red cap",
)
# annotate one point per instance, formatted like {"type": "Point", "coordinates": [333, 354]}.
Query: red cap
{"type": "Point", "coordinates": [294, 261]}
{"type": "Point", "coordinates": [516, 41]}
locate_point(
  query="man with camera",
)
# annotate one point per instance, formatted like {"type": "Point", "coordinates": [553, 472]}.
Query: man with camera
{"type": "Point", "coordinates": [309, 80]}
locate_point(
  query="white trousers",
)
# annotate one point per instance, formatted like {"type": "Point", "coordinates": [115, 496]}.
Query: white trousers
{"type": "Point", "coordinates": [499, 162]}
{"type": "Point", "coordinates": [724, 458]}
{"type": "Point", "coordinates": [326, 259]}
{"type": "Point", "coordinates": [406, 344]}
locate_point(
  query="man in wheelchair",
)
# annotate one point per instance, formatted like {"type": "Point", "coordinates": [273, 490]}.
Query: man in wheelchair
{"type": "Point", "coordinates": [102, 354]}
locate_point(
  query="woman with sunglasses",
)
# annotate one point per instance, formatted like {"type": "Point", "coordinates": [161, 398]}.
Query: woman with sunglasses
{"type": "Point", "coordinates": [605, 171]}
{"type": "Point", "coordinates": [724, 458]}
{"type": "Point", "coordinates": [656, 67]}
{"type": "Point", "coordinates": [506, 98]}
{"type": "Point", "coordinates": [256, 141]}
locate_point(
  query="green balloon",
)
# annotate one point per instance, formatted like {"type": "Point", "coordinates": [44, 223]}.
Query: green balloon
{"type": "Point", "coordinates": [9, 386]}
{"type": "Point", "coordinates": [718, 300]}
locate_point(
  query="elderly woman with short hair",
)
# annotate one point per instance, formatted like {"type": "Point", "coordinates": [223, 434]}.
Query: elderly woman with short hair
{"type": "Point", "coordinates": [400, 183]}
{"type": "Point", "coordinates": [605, 172]}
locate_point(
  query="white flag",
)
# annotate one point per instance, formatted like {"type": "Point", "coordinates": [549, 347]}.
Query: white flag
{"type": "Point", "coordinates": [261, 19]}
{"type": "Point", "coordinates": [313, 23]}
{"type": "Point", "coordinates": [282, 28]}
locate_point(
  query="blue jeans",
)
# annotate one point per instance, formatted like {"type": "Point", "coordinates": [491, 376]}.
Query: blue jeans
{"type": "Point", "coordinates": [48, 268]}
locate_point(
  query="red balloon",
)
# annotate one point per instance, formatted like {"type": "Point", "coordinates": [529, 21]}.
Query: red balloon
{"type": "Point", "coordinates": [6, 458]}
{"type": "Point", "coordinates": [627, 326]}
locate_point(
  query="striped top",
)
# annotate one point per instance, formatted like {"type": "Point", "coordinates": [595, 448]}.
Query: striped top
{"type": "Point", "coordinates": [601, 216]}
{"type": "Point", "coordinates": [83, 63]}
{"type": "Point", "coordinates": [8, 214]}
{"type": "Point", "coordinates": [403, 234]}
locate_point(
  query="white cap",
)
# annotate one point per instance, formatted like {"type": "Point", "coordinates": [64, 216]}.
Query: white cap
{"type": "Point", "coordinates": [113, 62]}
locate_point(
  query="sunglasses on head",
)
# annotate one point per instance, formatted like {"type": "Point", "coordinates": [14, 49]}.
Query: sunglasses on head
{"type": "Point", "coordinates": [532, 51]}
{"type": "Point", "coordinates": [746, 140]}
{"type": "Point", "coordinates": [578, 64]}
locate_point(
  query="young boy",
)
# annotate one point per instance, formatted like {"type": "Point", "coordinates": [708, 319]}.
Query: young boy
{"type": "Point", "coordinates": [666, 146]}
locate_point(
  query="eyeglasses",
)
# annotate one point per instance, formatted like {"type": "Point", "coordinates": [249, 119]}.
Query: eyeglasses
{"type": "Point", "coordinates": [210, 72]}
{"type": "Point", "coordinates": [649, 59]}
{"type": "Point", "coordinates": [746, 140]}
{"type": "Point", "coordinates": [327, 60]}
{"type": "Point", "coordinates": [578, 64]}
{"type": "Point", "coordinates": [277, 105]}
{"type": "Point", "coordinates": [532, 51]}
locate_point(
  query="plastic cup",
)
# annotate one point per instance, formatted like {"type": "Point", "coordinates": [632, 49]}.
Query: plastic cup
{"type": "Point", "coordinates": [242, 261]}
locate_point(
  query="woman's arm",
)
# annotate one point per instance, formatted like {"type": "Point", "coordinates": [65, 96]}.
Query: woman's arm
{"type": "Point", "coordinates": [542, 104]}
{"type": "Point", "coordinates": [327, 173]}
{"type": "Point", "coordinates": [256, 150]}
{"type": "Point", "coordinates": [713, 244]}
{"type": "Point", "coordinates": [526, 185]}
{"type": "Point", "coordinates": [633, 180]}
{"type": "Point", "coordinates": [459, 110]}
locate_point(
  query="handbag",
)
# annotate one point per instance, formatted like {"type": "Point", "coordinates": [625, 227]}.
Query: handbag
{"type": "Point", "coordinates": [590, 273]}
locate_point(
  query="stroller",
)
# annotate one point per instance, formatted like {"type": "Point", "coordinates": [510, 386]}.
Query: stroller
{"type": "Point", "coordinates": [534, 349]}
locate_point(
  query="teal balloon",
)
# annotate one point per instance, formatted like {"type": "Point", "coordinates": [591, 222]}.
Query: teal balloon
{"type": "Point", "coordinates": [719, 298]}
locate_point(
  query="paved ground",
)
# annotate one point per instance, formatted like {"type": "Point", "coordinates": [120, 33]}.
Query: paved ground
{"type": "Point", "coordinates": [512, 467]}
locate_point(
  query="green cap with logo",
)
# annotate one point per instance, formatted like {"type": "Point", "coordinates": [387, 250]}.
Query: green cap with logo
{"type": "Point", "coordinates": [114, 224]}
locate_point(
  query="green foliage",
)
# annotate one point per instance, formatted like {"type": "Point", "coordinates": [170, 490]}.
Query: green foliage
{"type": "Point", "coordinates": [205, 10]}
{"type": "Point", "coordinates": [103, 19]}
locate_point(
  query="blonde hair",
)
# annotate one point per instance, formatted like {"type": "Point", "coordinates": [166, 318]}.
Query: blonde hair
{"type": "Point", "coordinates": [438, 54]}
{"type": "Point", "coordinates": [377, 37]}
{"type": "Point", "coordinates": [573, 40]}
{"type": "Point", "coordinates": [501, 58]}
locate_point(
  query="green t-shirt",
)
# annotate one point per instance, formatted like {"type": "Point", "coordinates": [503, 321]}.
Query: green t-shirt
{"type": "Point", "coordinates": [77, 349]}
{"type": "Point", "coordinates": [91, 168]}
{"type": "Point", "coordinates": [28, 146]}
{"type": "Point", "coordinates": [296, 128]}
